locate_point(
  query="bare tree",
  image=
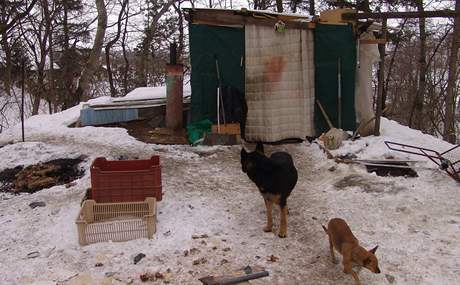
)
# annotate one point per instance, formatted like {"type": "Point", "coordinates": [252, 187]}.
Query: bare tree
{"type": "Point", "coordinates": [416, 118]}
{"type": "Point", "coordinates": [10, 17]}
{"type": "Point", "coordinates": [36, 34]}
{"type": "Point", "coordinates": [5, 26]}
{"type": "Point", "coordinates": [51, 94]}
{"type": "Point", "coordinates": [113, 91]}
{"type": "Point", "coordinates": [92, 63]}
{"type": "Point", "coordinates": [151, 26]}
{"type": "Point", "coordinates": [181, 31]}
{"type": "Point", "coordinates": [69, 31]}
{"type": "Point", "coordinates": [125, 55]}
{"type": "Point", "coordinates": [449, 124]}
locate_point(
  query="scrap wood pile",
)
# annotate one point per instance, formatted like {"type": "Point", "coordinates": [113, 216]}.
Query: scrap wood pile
{"type": "Point", "coordinates": [40, 176]}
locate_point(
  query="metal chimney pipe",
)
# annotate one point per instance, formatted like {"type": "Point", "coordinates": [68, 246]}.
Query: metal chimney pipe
{"type": "Point", "coordinates": [174, 95]}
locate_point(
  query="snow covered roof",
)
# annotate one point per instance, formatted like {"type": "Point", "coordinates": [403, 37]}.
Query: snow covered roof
{"type": "Point", "coordinates": [150, 93]}
{"type": "Point", "coordinates": [141, 97]}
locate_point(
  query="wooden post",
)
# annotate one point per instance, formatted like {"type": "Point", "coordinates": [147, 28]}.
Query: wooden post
{"type": "Point", "coordinates": [381, 80]}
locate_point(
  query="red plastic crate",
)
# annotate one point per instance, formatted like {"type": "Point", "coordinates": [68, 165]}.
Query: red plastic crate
{"type": "Point", "coordinates": [125, 180]}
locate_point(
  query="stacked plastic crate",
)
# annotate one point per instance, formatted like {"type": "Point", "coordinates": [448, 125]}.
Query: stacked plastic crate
{"type": "Point", "coordinates": [123, 200]}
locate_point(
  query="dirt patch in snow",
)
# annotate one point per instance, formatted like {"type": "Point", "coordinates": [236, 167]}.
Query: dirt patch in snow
{"type": "Point", "coordinates": [367, 186]}
{"type": "Point", "coordinates": [40, 176]}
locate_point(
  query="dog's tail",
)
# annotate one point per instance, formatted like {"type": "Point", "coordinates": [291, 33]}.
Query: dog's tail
{"type": "Point", "coordinates": [324, 228]}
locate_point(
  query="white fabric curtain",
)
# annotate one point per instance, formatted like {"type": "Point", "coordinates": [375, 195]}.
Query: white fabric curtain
{"type": "Point", "coordinates": [279, 84]}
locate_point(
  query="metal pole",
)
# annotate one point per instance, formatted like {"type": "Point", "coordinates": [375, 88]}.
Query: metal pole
{"type": "Point", "coordinates": [339, 90]}
{"type": "Point", "coordinates": [219, 98]}
{"type": "Point", "coordinates": [22, 97]}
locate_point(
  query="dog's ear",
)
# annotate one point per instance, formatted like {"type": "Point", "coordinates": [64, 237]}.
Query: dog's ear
{"type": "Point", "coordinates": [374, 249]}
{"type": "Point", "coordinates": [260, 147]}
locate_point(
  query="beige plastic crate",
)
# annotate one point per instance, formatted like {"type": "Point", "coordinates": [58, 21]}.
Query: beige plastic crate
{"type": "Point", "coordinates": [99, 222]}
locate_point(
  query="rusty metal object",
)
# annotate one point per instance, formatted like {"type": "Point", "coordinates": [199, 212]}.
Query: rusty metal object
{"type": "Point", "coordinates": [174, 95]}
{"type": "Point", "coordinates": [451, 168]}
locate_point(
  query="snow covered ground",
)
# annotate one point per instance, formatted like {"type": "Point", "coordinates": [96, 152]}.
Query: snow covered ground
{"type": "Point", "coordinates": [415, 221]}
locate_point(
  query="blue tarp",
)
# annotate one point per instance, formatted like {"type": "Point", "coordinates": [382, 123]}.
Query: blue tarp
{"type": "Point", "coordinates": [91, 117]}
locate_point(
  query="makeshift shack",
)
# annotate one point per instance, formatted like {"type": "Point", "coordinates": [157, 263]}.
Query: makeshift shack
{"type": "Point", "coordinates": [267, 70]}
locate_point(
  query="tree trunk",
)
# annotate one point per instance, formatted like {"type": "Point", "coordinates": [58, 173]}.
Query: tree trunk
{"type": "Point", "coordinates": [113, 91]}
{"type": "Point", "coordinates": [279, 6]}
{"type": "Point", "coordinates": [449, 124]}
{"type": "Point", "coordinates": [93, 61]}
{"type": "Point", "coordinates": [50, 98]}
{"type": "Point", "coordinates": [416, 118]}
{"type": "Point", "coordinates": [381, 81]}
{"type": "Point", "coordinates": [6, 78]}
{"type": "Point", "coordinates": [125, 55]}
{"type": "Point", "coordinates": [52, 91]}
{"type": "Point", "coordinates": [311, 7]}
{"type": "Point", "coordinates": [181, 32]}
{"type": "Point", "coordinates": [67, 100]}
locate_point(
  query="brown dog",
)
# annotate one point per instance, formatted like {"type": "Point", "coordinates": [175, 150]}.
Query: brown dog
{"type": "Point", "coordinates": [342, 239]}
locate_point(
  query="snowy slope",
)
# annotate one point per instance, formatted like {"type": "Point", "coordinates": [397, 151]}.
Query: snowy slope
{"type": "Point", "coordinates": [415, 221]}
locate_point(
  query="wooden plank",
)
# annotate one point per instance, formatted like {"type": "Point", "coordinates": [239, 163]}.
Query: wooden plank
{"type": "Point", "coordinates": [247, 13]}
{"type": "Point", "coordinates": [232, 129]}
{"type": "Point", "coordinates": [220, 139]}
{"type": "Point", "coordinates": [335, 16]}
{"type": "Point", "coordinates": [219, 18]}
{"type": "Point", "coordinates": [401, 15]}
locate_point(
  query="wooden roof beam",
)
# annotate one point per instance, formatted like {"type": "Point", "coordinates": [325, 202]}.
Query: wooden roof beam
{"type": "Point", "coordinates": [401, 15]}
{"type": "Point", "coordinates": [232, 18]}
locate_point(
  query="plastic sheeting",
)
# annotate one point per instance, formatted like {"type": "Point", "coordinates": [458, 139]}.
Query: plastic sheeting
{"type": "Point", "coordinates": [91, 117]}
{"type": "Point", "coordinates": [368, 55]}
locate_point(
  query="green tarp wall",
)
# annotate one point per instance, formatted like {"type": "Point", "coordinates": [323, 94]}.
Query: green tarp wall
{"type": "Point", "coordinates": [331, 43]}
{"type": "Point", "coordinates": [208, 43]}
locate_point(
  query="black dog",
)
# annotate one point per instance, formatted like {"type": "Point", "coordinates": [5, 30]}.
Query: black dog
{"type": "Point", "coordinates": [275, 176]}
